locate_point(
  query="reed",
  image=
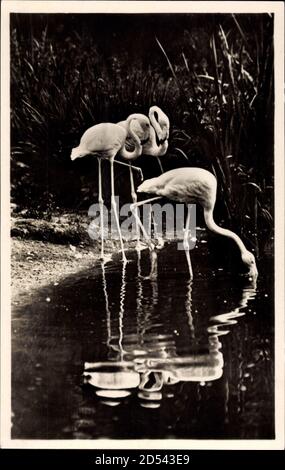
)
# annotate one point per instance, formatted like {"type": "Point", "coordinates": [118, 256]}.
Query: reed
{"type": "Point", "coordinates": [228, 103]}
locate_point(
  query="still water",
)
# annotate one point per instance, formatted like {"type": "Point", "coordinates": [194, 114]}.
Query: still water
{"type": "Point", "coordinates": [108, 354]}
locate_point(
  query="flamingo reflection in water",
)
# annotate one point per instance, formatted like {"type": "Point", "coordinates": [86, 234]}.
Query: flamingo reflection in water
{"type": "Point", "coordinates": [145, 361]}
{"type": "Point", "coordinates": [115, 378]}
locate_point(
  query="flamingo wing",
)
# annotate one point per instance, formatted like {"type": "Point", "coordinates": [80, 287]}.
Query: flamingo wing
{"type": "Point", "coordinates": [105, 138]}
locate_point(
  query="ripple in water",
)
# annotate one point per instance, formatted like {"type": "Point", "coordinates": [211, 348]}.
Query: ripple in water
{"type": "Point", "coordinates": [118, 356]}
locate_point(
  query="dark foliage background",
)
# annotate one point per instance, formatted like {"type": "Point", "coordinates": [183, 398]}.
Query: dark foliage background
{"type": "Point", "coordinates": [211, 74]}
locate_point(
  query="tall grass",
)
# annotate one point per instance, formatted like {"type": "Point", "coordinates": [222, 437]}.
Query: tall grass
{"type": "Point", "coordinates": [229, 106]}
{"type": "Point", "coordinates": [58, 90]}
{"type": "Point", "coordinates": [217, 90]}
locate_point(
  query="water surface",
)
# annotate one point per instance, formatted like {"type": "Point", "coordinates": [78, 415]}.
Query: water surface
{"type": "Point", "coordinates": [107, 354]}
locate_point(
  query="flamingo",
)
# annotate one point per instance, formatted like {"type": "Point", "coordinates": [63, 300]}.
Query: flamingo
{"type": "Point", "coordinates": [104, 141]}
{"type": "Point", "coordinates": [160, 124]}
{"type": "Point", "coordinates": [159, 130]}
{"type": "Point", "coordinates": [191, 185]}
{"type": "Point", "coordinates": [143, 134]}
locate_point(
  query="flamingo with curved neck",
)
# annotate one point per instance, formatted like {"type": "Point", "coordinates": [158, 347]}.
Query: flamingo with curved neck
{"type": "Point", "coordinates": [138, 130]}
{"type": "Point", "coordinates": [192, 185]}
{"type": "Point", "coordinates": [160, 123]}
{"type": "Point", "coordinates": [146, 136]}
{"type": "Point", "coordinates": [104, 141]}
{"type": "Point", "coordinates": [137, 127]}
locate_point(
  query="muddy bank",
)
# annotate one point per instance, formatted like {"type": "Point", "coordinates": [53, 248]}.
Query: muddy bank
{"type": "Point", "coordinates": [35, 263]}
{"type": "Point", "coordinates": [44, 252]}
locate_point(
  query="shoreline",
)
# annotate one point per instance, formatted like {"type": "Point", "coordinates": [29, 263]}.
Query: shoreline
{"type": "Point", "coordinates": [35, 264]}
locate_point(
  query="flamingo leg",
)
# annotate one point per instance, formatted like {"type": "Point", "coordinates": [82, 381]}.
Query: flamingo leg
{"type": "Point", "coordinates": [107, 307]}
{"type": "Point", "coordinates": [122, 310]}
{"type": "Point", "coordinates": [186, 242]}
{"type": "Point", "coordinates": [149, 221]}
{"type": "Point", "coordinates": [153, 254]}
{"type": "Point", "coordinates": [151, 215]}
{"type": "Point", "coordinates": [114, 206]}
{"type": "Point", "coordinates": [101, 205]}
{"type": "Point", "coordinates": [188, 309]}
{"type": "Point", "coordinates": [160, 165]}
{"type": "Point", "coordinates": [136, 168]}
{"type": "Point", "coordinates": [159, 239]}
{"type": "Point", "coordinates": [153, 223]}
{"type": "Point", "coordinates": [135, 200]}
{"type": "Point", "coordinates": [133, 209]}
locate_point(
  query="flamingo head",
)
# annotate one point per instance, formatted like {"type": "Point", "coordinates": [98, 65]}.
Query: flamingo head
{"type": "Point", "coordinates": [249, 260]}
{"type": "Point", "coordinates": [148, 186]}
{"type": "Point", "coordinates": [78, 152]}
{"type": "Point", "coordinates": [140, 125]}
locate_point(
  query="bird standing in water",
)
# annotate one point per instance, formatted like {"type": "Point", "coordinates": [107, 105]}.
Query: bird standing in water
{"type": "Point", "coordinates": [142, 130]}
{"type": "Point", "coordinates": [191, 186]}
{"type": "Point", "coordinates": [158, 132]}
{"type": "Point", "coordinates": [104, 141]}
{"type": "Point", "coordinates": [154, 143]}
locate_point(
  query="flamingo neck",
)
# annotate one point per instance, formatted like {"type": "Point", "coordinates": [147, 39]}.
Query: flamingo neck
{"type": "Point", "coordinates": [211, 224]}
{"type": "Point", "coordinates": [154, 122]}
{"type": "Point", "coordinates": [162, 149]}
{"type": "Point", "coordinates": [151, 147]}
{"type": "Point", "coordinates": [135, 139]}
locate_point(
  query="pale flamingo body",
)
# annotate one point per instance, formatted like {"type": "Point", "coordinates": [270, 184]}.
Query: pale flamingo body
{"type": "Point", "coordinates": [104, 141]}
{"type": "Point", "coordinates": [192, 186]}
{"type": "Point", "coordinates": [159, 130]}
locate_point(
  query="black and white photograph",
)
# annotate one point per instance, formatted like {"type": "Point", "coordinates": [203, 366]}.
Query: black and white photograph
{"type": "Point", "coordinates": [142, 218]}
